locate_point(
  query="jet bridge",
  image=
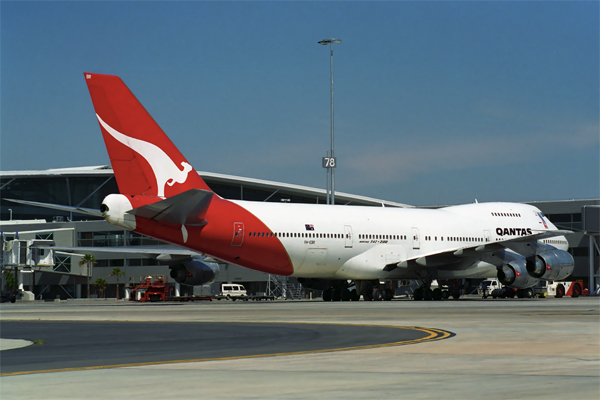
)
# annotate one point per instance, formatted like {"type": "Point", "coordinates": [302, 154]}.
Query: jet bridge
{"type": "Point", "coordinates": [19, 257]}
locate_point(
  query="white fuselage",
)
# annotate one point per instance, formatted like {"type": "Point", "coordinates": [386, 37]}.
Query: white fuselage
{"type": "Point", "coordinates": [352, 242]}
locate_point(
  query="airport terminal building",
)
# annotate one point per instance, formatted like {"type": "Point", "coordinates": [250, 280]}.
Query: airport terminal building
{"type": "Point", "coordinates": [86, 187]}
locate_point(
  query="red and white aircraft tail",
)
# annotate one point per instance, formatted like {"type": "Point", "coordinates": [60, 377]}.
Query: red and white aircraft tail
{"type": "Point", "coordinates": [144, 159]}
{"type": "Point", "coordinates": [162, 196]}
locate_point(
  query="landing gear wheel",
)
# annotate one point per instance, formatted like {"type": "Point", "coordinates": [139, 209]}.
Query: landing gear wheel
{"type": "Point", "coordinates": [388, 295]}
{"type": "Point", "coordinates": [378, 294]}
{"type": "Point", "coordinates": [428, 294]}
{"type": "Point", "coordinates": [520, 293]}
{"type": "Point", "coordinates": [437, 294]}
{"type": "Point", "coordinates": [456, 294]}
{"type": "Point", "coordinates": [367, 294]}
{"type": "Point", "coordinates": [345, 295]}
{"type": "Point", "coordinates": [327, 294]}
{"type": "Point", "coordinates": [445, 294]}
{"type": "Point", "coordinates": [354, 295]}
{"type": "Point", "coordinates": [418, 294]}
{"type": "Point", "coordinates": [336, 294]}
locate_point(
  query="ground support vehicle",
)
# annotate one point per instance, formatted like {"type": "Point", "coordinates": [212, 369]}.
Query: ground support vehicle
{"type": "Point", "coordinates": [560, 289]}
{"type": "Point", "coordinates": [6, 297]}
{"type": "Point", "coordinates": [251, 297]}
{"type": "Point", "coordinates": [487, 287]}
{"type": "Point", "coordinates": [231, 290]}
{"type": "Point", "coordinates": [151, 288]}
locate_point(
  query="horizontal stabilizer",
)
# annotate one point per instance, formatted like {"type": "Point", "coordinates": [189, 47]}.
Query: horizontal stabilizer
{"type": "Point", "coordinates": [80, 210]}
{"type": "Point", "coordinates": [183, 209]}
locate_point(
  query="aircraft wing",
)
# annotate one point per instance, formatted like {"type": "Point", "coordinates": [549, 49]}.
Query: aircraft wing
{"type": "Point", "coordinates": [80, 210]}
{"type": "Point", "coordinates": [493, 252]}
{"type": "Point", "coordinates": [163, 254]}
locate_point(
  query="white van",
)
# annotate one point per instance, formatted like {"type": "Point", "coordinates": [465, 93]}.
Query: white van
{"type": "Point", "coordinates": [233, 290]}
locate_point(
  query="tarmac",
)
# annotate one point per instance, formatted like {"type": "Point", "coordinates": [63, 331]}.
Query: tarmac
{"type": "Point", "coordinates": [498, 349]}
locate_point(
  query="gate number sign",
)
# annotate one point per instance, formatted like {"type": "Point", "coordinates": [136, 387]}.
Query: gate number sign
{"type": "Point", "coordinates": [329, 162]}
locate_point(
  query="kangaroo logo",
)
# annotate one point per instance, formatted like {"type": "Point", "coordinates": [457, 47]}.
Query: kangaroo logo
{"type": "Point", "coordinates": [542, 218]}
{"type": "Point", "coordinates": [164, 169]}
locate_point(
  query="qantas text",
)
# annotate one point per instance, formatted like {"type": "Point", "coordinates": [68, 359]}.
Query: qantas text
{"type": "Point", "coordinates": [513, 231]}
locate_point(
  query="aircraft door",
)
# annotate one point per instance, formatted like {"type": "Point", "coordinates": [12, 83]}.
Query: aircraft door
{"type": "Point", "coordinates": [348, 235]}
{"type": "Point", "coordinates": [416, 241]}
{"type": "Point", "coordinates": [238, 234]}
{"type": "Point", "coordinates": [486, 236]}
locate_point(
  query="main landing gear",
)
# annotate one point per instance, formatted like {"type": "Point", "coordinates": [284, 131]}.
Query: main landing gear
{"type": "Point", "coordinates": [441, 292]}
{"type": "Point", "coordinates": [352, 290]}
{"type": "Point", "coordinates": [340, 291]}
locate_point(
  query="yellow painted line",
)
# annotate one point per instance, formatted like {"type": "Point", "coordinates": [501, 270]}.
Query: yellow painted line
{"type": "Point", "coordinates": [434, 334]}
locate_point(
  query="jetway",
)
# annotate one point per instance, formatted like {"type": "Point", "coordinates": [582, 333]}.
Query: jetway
{"type": "Point", "coordinates": [20, 257]}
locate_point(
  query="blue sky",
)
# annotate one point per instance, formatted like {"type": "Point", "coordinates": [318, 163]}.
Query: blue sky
{"type": "Point", "coordinates": [435, 102]}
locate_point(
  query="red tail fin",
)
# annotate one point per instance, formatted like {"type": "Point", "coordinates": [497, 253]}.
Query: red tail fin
{"type": "Point", "coordinates": [143, 158]}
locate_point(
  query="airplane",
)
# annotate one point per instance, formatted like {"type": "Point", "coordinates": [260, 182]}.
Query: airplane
{"type": "Point", "coordinates": [326, 247]}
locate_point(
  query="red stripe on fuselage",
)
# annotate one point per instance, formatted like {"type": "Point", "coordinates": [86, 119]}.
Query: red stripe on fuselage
{"type": "Point", "coordinates": [265, 253]}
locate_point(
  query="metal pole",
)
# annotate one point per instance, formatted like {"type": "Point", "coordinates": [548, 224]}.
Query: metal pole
{"type": "Point", "coordinates": [330, 162]}
{"type": "Point", "coordinates": [592, 283]}
{"type": "Point", "coordinates": [327, 181]}
{"type": "Point", "coordinates": [332, 155]}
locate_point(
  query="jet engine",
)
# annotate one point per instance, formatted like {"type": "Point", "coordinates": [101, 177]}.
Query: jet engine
{"type": "Point", "coordinates": [551, 265]}
{"type": "Point", "coordinates": [514, 274]}
{"type": "Point", "coordinates": [195, 272]}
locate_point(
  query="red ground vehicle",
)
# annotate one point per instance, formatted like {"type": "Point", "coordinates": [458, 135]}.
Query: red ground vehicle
{"type": "Point", "coordinates": [151, 288]}
{"type": "Point", "coordinates": [559, 289]}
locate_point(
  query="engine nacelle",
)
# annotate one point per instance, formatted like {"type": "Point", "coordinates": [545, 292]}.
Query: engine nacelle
{"type": "Point", "coordinates": [551, 265]}
{"type": "Point", "coordinates": [514, 274]}
{"type": "Point", "coordinates": [195, 272]}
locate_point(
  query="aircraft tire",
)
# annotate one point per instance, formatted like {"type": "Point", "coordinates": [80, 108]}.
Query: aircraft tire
{"type": "Point", "coordinates": [378, 294]}
{"type": "Point", "coordinates": [437, 294]}
{"type": "Point", "coordinates": [418, 294]}
{"type": "Point", "coordinates": [428, 294]}
{"type": "Point", "coordinates": [388, 295]}
{"type": "Point", "coordinates": [327, 294]}
{"type": "Point", "coordinates": [529, 293]}
{"type": "Point", "coordinates": [345, 295]}
{"type": "Point", "coordinates": [336, 294]}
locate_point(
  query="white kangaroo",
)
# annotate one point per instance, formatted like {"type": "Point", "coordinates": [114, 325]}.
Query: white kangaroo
{"type": "Point", "coordinates": [165, 170]}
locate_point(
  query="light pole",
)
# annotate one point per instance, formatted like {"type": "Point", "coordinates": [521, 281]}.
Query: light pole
{"type": "Point", "coordinates": [329, 162]}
